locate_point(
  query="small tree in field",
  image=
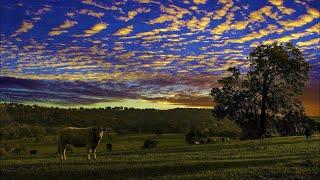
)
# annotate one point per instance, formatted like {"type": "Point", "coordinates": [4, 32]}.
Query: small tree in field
{"type": "Point", "coordinates": [271, 89]}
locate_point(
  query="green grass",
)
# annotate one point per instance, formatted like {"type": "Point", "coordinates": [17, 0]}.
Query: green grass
{"type": "Point", "coordinates": [285, 157]}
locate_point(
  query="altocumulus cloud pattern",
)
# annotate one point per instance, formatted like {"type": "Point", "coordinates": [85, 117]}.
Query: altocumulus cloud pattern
{"type": "Point", "coordinates": [165, 52]}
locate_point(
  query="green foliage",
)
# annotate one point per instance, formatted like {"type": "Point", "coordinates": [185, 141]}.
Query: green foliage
{"type": "Point", "coordinates": [295, 123]}
{"type": "Point", "coordinates": [16, 130]}
{"type": "Point", "coordinates": [196, 135]}
{"type": "Point", "coordinates": [224, 128]}
{"type": "Point", "coordinates": [267, 92]}
{"type": "Point", "coordinates": [193, 135]}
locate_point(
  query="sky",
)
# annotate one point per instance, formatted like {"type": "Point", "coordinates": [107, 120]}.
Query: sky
{"type": "Point", "coordinates": [143, 53]}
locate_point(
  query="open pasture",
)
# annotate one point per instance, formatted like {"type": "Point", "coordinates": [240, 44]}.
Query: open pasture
{"type": "Point", "coordinates": [283, 157]}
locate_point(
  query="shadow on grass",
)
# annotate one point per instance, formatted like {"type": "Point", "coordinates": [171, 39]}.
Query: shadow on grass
{"type": "Point", "coordinates": [113, 170]}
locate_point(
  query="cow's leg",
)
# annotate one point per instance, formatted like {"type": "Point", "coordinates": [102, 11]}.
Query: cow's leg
{"type": "Point", "coordinates": [88, 150]}
{"type": "Point", "coordinates": [61, 156]}
{"type": "Point", "coordinates": [64, 154]}
{"type": "Point", "coordinates": [94, 153]}
{"type": "Point", "coordinates": [60, 149]}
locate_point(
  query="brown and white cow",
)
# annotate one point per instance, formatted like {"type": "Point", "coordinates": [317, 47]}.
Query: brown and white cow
{"type": "Point", "coordinates": [80, 137]}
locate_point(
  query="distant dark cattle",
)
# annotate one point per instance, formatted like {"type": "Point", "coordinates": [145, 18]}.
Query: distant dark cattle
{"type": "Point", "coordinates": [33, 152]}
{"type": "Point", "coordinates": [308, 132]}
{"type": "Point", "coordinates": [150, 143]}
{"type": "Point", "coordinates": [79, 137]}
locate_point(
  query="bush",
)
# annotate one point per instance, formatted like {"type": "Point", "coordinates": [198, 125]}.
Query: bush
{"type": "Point", "coordinates": [204, 140]}
{"type": "Point", "coordinates": [191, 137]}
{"type": "Point", "coordinates": [194, 135]}
{"type": "Point", "coordinates": [295, 124]}
{"type": "Point", "coordinates": [16, 130]}
{"type": "Point", "coordinates": [224, 128]}
{"type": "Point", "coordinates": [150, 143]}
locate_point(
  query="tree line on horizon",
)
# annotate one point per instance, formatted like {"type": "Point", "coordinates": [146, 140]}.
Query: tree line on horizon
{"type": "Point", "coordinates": [121, 120]}
{"type": "Point", "coordinates": [19, 121]}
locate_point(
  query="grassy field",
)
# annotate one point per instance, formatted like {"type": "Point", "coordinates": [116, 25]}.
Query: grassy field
{"type": "Point", "coordinates": [285, 157]}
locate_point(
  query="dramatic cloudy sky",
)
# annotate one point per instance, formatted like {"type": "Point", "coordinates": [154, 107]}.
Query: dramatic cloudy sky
{"type": "Point", "coordinates": [143, 53]}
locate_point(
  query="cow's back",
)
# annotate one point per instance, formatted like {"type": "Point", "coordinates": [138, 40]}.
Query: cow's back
{"type": "Point", "coordinates": [74, 136]}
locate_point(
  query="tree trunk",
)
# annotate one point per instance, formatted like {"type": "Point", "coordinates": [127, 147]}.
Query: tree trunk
{"type": "Point", "coordinates": [263, 109]}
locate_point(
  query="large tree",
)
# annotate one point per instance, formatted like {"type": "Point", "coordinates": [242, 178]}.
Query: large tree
{"type": "Point", "coordinates": [270, 89]}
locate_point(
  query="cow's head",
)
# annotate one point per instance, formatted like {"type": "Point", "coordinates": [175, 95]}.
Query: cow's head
{"type": "Point", "coordinates": [97, 133]}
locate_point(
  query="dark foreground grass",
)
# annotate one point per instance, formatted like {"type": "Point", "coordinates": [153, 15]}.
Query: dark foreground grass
{"type": "Point", "coordinates": [287, 157]}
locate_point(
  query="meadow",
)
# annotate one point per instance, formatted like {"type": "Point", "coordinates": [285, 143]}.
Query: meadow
{"type": "Point", "coordinates": [281, 157]}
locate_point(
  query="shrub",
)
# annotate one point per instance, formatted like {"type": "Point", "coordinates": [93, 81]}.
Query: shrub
{"type": "Point", "coordinates": [195, 135]}
{"type": "Point", "coordinates": [204, 140]}
{"type": "Point", "coordinates": [16, 130]}
{"type": "Point", "coordinates": [191, 137]}
{"type": "Point", "coordinates": [224, 128]}
{"type": "Point", "coordinates": [295, 124]}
